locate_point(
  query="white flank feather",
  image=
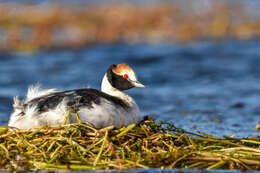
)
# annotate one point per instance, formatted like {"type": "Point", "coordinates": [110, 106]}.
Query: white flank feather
{"type": "Point", "coordinates": [31, 111]}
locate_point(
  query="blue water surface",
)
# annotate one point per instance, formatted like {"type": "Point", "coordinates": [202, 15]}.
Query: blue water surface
{"type": "Point", "coordinates": [213, 87]}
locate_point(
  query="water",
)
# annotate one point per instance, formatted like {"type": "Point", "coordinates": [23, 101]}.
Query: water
{"type": "Point", "coordinates": [213, 87]}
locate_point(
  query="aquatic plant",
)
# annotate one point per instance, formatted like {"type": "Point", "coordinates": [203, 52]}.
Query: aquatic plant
{"type": "Point", "coordinates": [148, 145]}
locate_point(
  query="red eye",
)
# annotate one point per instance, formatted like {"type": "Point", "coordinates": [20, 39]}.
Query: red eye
{"type": "Point", "coordinates": [125, 76]}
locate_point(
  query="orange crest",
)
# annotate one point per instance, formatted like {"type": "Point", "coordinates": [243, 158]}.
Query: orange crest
{"type": "Point", "coordinates": [120, 68]}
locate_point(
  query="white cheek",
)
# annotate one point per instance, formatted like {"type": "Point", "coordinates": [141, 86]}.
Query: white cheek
{"type": "Point", "coordinates": [132, 76]}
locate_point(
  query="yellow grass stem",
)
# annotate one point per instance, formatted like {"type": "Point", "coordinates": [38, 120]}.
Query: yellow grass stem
{"type": "Point", "coordinates": [68, 114]}
{"type": "Point", "coordinates": [217, 165]}
{"type": "Point", "coordinates": [101, 149]}
{"type": "Point", "coordinates": [46, 166]}
{"type": "Point", "coordinates": [127, 129]}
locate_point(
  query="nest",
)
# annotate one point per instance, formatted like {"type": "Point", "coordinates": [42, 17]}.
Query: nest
{"type": "Point", "coordinates": [147, 145]}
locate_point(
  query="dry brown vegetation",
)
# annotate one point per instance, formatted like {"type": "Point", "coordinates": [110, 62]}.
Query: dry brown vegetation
{"type": "Point", "coordinates": [33, 27]}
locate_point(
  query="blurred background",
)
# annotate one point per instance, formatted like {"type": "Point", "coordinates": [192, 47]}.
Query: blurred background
{"type": "Point", "coordinates": [199, 59]}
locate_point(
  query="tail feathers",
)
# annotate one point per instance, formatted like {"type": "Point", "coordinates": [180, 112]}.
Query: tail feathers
{"type": "Point", "coordinates": [18, 104]}
{"type": "Point", "coordinates": [21, 109]}
{"type": "Point", "coordinates": [35, 91]}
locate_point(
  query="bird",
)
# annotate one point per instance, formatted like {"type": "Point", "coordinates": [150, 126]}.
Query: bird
{"type": "Point", "coordinates": [108, 107]}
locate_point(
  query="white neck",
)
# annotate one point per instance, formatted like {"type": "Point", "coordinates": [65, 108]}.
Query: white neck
{"type": "Point", "coordinates": [107, 88]}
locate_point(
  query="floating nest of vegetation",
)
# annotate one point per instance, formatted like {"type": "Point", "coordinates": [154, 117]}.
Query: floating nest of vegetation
{"type": "Point", "coordinates": [147, 145]}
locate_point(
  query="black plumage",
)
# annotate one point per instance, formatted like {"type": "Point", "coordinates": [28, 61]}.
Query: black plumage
{"type": "Point", "coordinates": [75, 99]}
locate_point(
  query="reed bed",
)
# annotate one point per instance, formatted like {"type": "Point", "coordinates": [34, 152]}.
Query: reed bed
{"type": "Point", "coordinates": [30, 28]}
{"type": "Point", "coordinates": [147, 145]}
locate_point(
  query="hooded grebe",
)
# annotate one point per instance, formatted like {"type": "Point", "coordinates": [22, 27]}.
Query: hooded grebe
{"type": "Point", "coordinates": [110, 106]}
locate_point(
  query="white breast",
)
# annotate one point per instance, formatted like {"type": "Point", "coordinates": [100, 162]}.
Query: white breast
{"type": "Point", "coordinates": [107, 114]}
